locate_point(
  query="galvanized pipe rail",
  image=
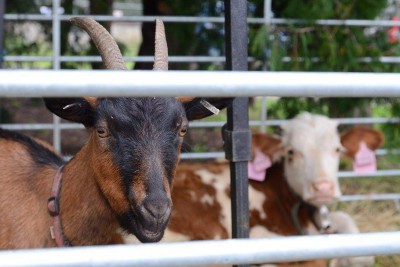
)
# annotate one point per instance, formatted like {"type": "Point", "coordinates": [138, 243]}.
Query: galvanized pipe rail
{"type": "Point", "coordinates": [126, 59]}
{"type": "Point", "coordinates": [220, 252]}
{"type": "Point", "coordinates": [197, 19]}
{"type": "Point", "coordinates": [197, 83]}
{"type": "Point", "coordinates": [198, 124]}
{"type": "Point", "coordinates": [175, 59]}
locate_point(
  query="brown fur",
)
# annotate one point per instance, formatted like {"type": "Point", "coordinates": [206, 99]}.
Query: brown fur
{"type": "Point", "coordinates": [81, 201]}
{"type": "Point", "coordinates": [352, 138]}
{"type": "Point", "coordinates": [108, 177]}
{"type": "Point", "coordinates": [15, 165]}
{"type": "Point", "coordinates": [185, 183]}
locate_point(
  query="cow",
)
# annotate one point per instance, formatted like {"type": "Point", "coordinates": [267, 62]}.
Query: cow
{"type": "Point", "coordinates": [296, 177]}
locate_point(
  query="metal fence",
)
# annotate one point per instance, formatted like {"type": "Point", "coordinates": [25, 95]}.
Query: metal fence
{"type": "Point", "coordinates": [56, 18]}
{"type": "Point", "coordinates": [218, 252]}
{"type": "Point", "coordinates": [201, 252]}
{"type": "Point", "coordinates": [211, 84]}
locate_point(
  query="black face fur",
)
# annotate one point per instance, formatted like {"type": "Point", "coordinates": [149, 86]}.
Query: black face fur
{"type": "Point", "coordinates": [144, 136]}
{"type": "Point", "coordinates": [142, 129]}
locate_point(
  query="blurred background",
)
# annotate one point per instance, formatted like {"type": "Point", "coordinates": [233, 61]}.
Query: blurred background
{"type": "Point", "coordinates": [284, 35]}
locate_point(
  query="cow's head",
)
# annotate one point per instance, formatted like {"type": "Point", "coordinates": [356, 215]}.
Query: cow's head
{"type": "Point", "coordinates": [310, 147]}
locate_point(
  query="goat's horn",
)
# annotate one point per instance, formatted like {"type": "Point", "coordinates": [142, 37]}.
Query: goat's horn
{"type": "Point", "coordinates": [161, 48]}
{"type": "Point", "coordinates": [105, 43]}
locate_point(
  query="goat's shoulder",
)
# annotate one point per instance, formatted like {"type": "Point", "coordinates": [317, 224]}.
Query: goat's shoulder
{"type": "Point", "coordinates": [19, 149]}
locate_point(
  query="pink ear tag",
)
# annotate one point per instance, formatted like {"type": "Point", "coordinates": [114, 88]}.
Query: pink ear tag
{"type": "Point", "coordinates": [257, 168]}
{"type": "Point", "coordinates": [365, 160]}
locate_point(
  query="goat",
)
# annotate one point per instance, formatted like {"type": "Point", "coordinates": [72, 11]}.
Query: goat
{"type": "Point", "coordinates": [122, 176]}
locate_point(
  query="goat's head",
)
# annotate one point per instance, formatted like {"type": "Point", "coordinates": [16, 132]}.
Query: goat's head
{"type": "Point", "coordinates": [134, 143]}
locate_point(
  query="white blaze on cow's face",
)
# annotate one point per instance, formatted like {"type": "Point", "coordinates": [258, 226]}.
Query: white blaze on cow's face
{"type": "Point", "coordinates": [312, 150]}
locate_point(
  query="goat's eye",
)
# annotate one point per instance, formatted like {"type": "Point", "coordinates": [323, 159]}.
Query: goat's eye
{"type": "Point", "coordinates": [183, 132]}
{"type": "Point", "coordinates": [102, 132]}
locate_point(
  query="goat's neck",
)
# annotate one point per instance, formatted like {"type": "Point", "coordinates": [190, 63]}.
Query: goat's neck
{"type": "Point", "coordinates": [86, 217]}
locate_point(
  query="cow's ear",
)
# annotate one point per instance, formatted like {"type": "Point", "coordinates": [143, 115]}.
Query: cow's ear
{"type": "Point", "coordinates": [197, 108]}
{"type": "Point", "coordinates": [73, 109]}
{"type": "Point", "coordinates": [352, 138]}
{"type": "Point", "coordinates": [269, 145]}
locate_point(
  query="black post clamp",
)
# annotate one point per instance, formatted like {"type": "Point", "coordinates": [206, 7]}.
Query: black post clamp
{"type": "Point", "coordinates": [237, 144]}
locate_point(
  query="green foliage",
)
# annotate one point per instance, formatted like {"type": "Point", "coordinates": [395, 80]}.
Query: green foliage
{"type": "Point", "coordinates": [22, 6]}
{"type": "Point", "coordinates": [5, 116]}
{"type": "Point", "coordinates": [20, 35]}
{"type": "Point", "coordinates": [323, 48]}
{"type": "Point", "coordinates": [328, 9]}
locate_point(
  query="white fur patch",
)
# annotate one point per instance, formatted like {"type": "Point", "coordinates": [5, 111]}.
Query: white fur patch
{"type": "Point", "coordinates": [221, 183]}
{"type": "Point", "coordinates": [207, 200]}
{"type": "Point", "coordinates": [259, 231]}
{"type": "Point", "coordinates": [256, 201]}
{"type": "Point", "coordinates": [192, 196]}
{"type": "Point", "coordinates": [130, 239]}
{"type": "Point", "coordinates": [171, 236]}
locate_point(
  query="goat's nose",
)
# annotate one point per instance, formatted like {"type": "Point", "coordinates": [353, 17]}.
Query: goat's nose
{"type": "Point", "coordinates": [158, 209]}
{"type": "Point", "coordinates": [323, 187]}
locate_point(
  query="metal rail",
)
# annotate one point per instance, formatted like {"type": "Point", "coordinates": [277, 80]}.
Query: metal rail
{"type": "Point", "coordinates": [379, 173]}
{"type": "Point", "coordinates": [199, 59]}
{"type": "Point", "coordinates": [2, 11]}
{"type": "Point", "coordinates": [56, 35]}
{"type": "Point", "coordinates": [199, 124]}
{"type": "Point", "coordinates": [196, 19]}
{"type": "Point", "coordinates": [126, 59]}
{"type": "Point", "coordinates": [369, 197]}
{"type": "Point", "coordinates": [219, 252]}
{"type": "Point", "coordinates": [197, 83]}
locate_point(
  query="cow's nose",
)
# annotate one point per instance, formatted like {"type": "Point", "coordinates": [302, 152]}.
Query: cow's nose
{"type": "Point", "coordinates": [323, 187]}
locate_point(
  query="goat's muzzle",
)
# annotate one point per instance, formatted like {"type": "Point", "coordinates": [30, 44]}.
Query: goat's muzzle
{"type": "Point", "coordinates": [152, 218]}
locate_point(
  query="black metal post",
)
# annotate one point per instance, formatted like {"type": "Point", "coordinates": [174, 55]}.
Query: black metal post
{"type": "Point", "coordinates": [236, 133]}
{"type": "Point", "coordinates": [2, 12]}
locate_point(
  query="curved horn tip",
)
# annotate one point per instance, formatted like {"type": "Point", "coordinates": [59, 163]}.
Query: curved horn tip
{"type": "Point", "coordinates": [161, 48]}
{"type": "Point", "coordinates": [79, 20]}
{"type": "Point", "coordinates": [159, 23]}
{"type": "Point", "coordinates": [105, 43]}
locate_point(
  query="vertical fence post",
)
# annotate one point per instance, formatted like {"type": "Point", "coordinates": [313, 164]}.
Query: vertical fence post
{"type": "Point", "coordinates": [56, 33]}
{"type": "Point", "coordinates": [2, 52]}
{"type": "Point", "coordinates": [264, 106]}
{"type": "Point", "coordinates": [2, 12]}
{"type": "Point", "coordinates": [237, 137]}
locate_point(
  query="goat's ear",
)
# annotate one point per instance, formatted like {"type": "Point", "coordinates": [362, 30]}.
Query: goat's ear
{"type": "Point", "coordinates": [199, 108]}
{"type": "Point", "coordinates": [73, 109]}
{"type": "Point", "coordinates": [268, 144]}
{"type": "Point", "coordinates": [352, 138]}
